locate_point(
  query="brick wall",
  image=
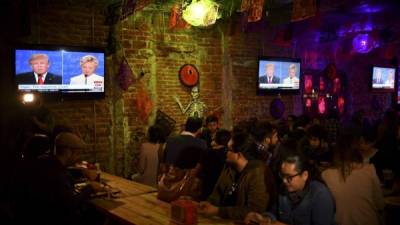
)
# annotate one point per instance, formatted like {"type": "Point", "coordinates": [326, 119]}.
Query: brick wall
{"type": "Point", "coordinates": [227, 67]}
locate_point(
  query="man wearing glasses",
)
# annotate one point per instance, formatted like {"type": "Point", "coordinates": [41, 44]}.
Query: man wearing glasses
{"type": "Point", "coordinates": [303, 200]}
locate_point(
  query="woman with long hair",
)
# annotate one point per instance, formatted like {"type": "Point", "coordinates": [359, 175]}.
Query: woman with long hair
{"type": "Point", "coordinates": [353, 183]}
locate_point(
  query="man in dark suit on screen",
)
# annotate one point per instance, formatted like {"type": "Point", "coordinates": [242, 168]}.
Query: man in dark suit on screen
{"type": "Point", "coordinates": [269, 77]}
{"type": "Point", "coordinates": [39, 75]}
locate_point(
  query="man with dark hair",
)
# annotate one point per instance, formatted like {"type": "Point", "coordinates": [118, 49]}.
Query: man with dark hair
{"type": "Point", "coordinates": [315, 146]}
{"type": "Point", "coordinates": [303, 200]}
{"type": "Point", "coordinates": [241, 188]}
{"type": "Point", "coordinates": [210, 131]}
{"type": "Point", "coordinates": [156, 134]}
{"type": "Point", "coordinates": [266, 137]}
{"type": "Point", "coordinates": [193, 124]}
{"type": "Point", "coordinates": [175, 146]}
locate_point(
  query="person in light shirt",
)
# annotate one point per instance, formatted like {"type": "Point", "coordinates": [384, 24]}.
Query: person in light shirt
{"type": "Point", "coordinates": [390, 80]}
{"type": "Point", "coordinates": [378, 78]}
{"type": "Point", "coordinates": [292, 79]}
{"type": "Point", "coordinates": [88, 76]}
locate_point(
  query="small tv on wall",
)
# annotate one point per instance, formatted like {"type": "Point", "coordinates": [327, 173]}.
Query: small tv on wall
{"type": "Point", "coordinates": [397, 95]}
{"type": "Point", "coordinates": [383, 79]}
{"type": "Point", "coordinates": [279, 75]}
{"type": "Point", "coordinates": [60, 71]}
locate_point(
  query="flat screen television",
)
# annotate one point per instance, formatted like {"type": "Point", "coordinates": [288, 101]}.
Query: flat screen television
{"type": "Point", "coordinates": [60, 71]}
{"type": "Point", "coordinates": [383, 79]}
{"type": "Point", "coordinates": [276, 74]}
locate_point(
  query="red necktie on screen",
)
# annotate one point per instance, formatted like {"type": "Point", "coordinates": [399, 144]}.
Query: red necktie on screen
{"type": "Point", "coordinates": [40, 79]}
{"type": "Point", "coordinates": [269, 80]}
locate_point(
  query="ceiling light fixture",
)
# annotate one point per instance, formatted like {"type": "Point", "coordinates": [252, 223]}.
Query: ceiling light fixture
{"type": "Point", "coordinates": [201, 13]}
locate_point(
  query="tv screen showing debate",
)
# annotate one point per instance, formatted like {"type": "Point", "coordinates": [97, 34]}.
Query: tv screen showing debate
{"type": "Point", "coordinates": [275, 74]}
{"type": "Point", "coordinates": [57, 70]}
{"type": "Point", "coordinates": [383, 78]}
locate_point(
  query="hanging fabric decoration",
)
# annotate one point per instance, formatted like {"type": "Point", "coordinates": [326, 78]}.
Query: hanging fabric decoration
{"type": "Point", "coordinates": [253, 9]}
{"type": "Point", "coordinates": [303, 9]}
{"type": "Point", "coordinates": [144, 105]}
{"type": "Point", "coordinates": [128, 8]}
{"type": "Point", "coordinates": [256, 11]}
{"type": "Point", "coordinates": [176, 20]}
{"type": "Point", "coordinates": [125, 75]}
{"type": "Point", "coordinates": [245, 6]}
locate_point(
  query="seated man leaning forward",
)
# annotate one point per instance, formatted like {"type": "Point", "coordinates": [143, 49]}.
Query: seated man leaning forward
{"type": "Point", "coordinates": [303, 201]}
{"type": "Point", "coordinates": [45, 191]}
{"type": "Point", "coordinates": [240, 189]}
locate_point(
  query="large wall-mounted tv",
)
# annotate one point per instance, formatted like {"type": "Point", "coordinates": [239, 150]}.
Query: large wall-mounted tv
{"type": "Point", "coordinates": [383, 79]}
{"type": "Point", "coordinates": [60, 71]}
{"type": "Point", "coordinates": [276, 74]}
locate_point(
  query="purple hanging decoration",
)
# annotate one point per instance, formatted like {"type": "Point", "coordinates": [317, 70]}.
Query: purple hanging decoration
{"type": "Point", "coordinates": [125, 75]}
{"type": "Point", "coordinates": [128, 8]}
{"type": "Point", "coordinates": [363, 43]}
{"type": "Point", "coordinates": [277, 108]}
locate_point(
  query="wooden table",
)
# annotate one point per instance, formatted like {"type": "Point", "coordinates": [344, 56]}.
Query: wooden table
{"type": "Point", "coordinates": [144, 209]}
{"type": "Point", "coordinates": [127, 187]}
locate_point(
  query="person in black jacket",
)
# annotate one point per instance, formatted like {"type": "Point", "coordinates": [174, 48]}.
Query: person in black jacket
{"type": "Point", "coordinates": [213, 162]}
{"type": "Point", "coordinates": [185, 150]}
{"type": "Point", "coordinates": [208, 134]}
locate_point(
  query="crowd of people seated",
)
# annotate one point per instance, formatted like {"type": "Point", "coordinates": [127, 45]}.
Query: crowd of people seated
{"type": "Point", "coordinates": [298, 171]}
{"type": "Point", "coordinates": [294, 171]}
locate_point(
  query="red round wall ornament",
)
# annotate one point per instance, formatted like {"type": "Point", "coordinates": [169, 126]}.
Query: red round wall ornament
{"type": "Point", "coordinates": [189, 75]}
